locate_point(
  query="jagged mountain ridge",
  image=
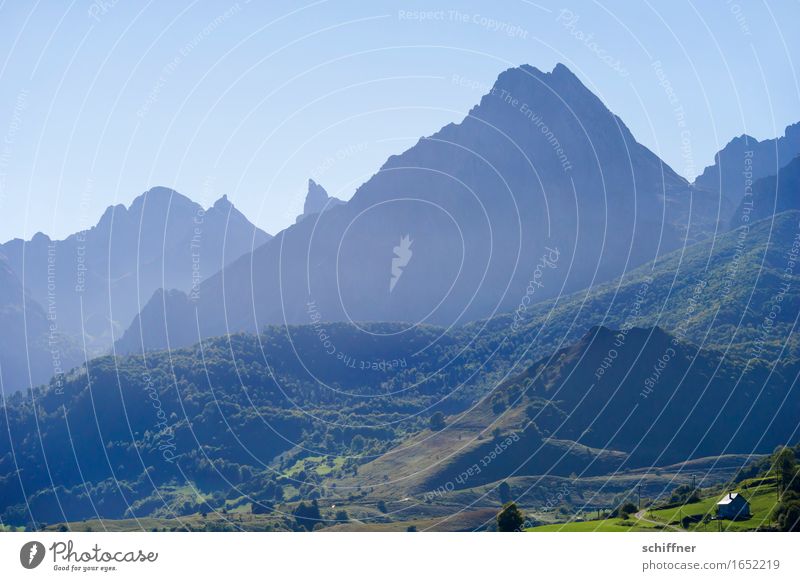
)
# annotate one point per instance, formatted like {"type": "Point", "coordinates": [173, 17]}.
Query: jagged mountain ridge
{"type": "Point", "coordinates": [95, 281]}
{"type": "Point", "coordinates": [538, 161]}
{"type": "Point", "coordinates": [746, 159]}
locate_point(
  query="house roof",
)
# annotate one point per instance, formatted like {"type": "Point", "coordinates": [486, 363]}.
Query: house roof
{"type": "Point", "coordinates": [730, 497]}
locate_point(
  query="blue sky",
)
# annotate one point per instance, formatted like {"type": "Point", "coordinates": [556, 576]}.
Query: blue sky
{"type": "Point", "coordinates": [101, 100]}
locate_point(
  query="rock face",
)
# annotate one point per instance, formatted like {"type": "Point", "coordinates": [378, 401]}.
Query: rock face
{"type": "Point", "coordinates": [95, 282]}
{"type": "Point", "coordinates": [538, 191]}
{"type": "Point", "coordinates": [317, 201]}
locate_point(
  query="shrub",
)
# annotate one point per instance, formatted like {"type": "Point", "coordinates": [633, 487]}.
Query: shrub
{"type": "Point", "coordinates": [437, 422]}
{"type": "Point", "coordinates": [510, 519]}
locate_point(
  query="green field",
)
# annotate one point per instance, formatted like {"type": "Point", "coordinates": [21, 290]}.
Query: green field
{"type": "Point", "coordinates": [320, 464]}
{"type": "Point", "coordinates": [762, 500]}
{"type": "Point", "coordinates": [760, 493]}
{"type": "Point", "coordinates": [609, 525]}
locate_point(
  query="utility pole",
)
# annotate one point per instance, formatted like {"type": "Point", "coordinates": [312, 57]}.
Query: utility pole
{"type": "Point", "coordinates": [694, 485]}
{"type": "Point", "coordinates": [640, 496]}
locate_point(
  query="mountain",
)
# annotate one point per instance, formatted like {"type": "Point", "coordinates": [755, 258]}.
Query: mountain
{"type": "Point", "coordinates": [30, 353]}
{"type": "Point", "coordinates": [771, 195]}
{"type": "Point", "coordinates": [672, 361]}
{"type": "Point", "coordinates": [554, 387]}
{"type": "Point", "coordinates": [239, 418]}
{"type": "Point", "coordinates": [743, 161]}
{"type": "Point", "coordinates": [95, 281]}
{"type": "Point", "coordinates": [166, 318]}
{"type": "Point", "coordinates": [610, 402]}
{"type": "Point", "coordinates": [661, 400]}
{"type": "Point", "coordinates": [528, 197]}
{"type": "Point", "coordinates": [317, 201]}
{"type": "Point", "coordinates": [124, 432]}
{"type": "Point", "coordinates": [716, 294]}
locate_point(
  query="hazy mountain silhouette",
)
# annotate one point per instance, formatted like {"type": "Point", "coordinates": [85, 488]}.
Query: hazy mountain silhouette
{"type": "Point", "coordinates": [539, 170]}
{"type": "Point", "coordinates": [746, 158]}
{"type": "Point", "coordinates": [94, 282]}
{"type": "Point", "coordinates": [29, 353]}
{"type": "Point", "coordinates": [771, 195]}
{"type": "Point", "coordinates": [317, 201]}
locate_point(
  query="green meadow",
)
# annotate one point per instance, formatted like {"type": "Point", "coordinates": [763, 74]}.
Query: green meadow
{"type": "Point", "coordinates": [759, 492]}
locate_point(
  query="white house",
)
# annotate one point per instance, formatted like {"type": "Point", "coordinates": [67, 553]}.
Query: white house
{"type": "Point", "coordinates": [733, 506]}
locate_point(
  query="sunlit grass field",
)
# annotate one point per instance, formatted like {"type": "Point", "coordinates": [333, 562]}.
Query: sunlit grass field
{"type": "Point", "coordinates": [760, 493]}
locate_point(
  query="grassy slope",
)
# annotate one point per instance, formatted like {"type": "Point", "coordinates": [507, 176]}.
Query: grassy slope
{"type": "Point", "coordinates": [759, 492]}
{"type": "Point", "coordinates": [611, 525]}
{"type": "Point", "coordinates": [762, 500]}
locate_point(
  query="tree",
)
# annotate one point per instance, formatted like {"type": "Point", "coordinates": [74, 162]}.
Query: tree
{"type": "Point", "coordinates": [342, 516]}
{"type": "Point", "coordinates": [261, 507]}
{"type": "Point", "coordinates": [624, 510]}
{"type": "Point", "coordinates": [358, 443]}
{"type": "Point", "coordinates": [437, 422]}
{"type": "Point", "coordinates": [382, 506]}
{"type": "Point", "coordinates": [499, 405]}
{"type": "Point", "coordinates": [685, 494]}
{"type": "Point", "coordinates": [510, 519]}
{"type": "Point", "coordinates": [787, 513]}
{"type": "Point", "coordinates": [306, 516]}
{"type": "Point", "coordinates": [504, 490]}
{"type": "Point", "coordinates": [785, 466]}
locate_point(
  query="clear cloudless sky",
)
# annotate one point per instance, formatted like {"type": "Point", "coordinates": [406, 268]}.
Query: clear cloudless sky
{"type": "Point", "coordinates": [101, 100]}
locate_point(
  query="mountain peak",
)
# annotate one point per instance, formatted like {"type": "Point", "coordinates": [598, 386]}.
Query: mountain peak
{"type": "Point", "coordinates": [764, 158]}
{"type": "Point", "coordinates": [744, 138]}
{"type": "Point", "coordinates": [158, 196]}
{"type": "Point", "coordinates": [317, 200]}
{"type": "Point", "coordinates": [523, 73]}
{"type": "Point", "coordinates": [223, 203]}
{"type": "Point", "coordinates": [562, 70]}
{"type": "Point", "coordinates": [792, 131]}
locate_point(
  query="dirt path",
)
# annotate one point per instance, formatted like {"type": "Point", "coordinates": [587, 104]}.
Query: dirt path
{"type": "Point", "coordinates": [640, 516]}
